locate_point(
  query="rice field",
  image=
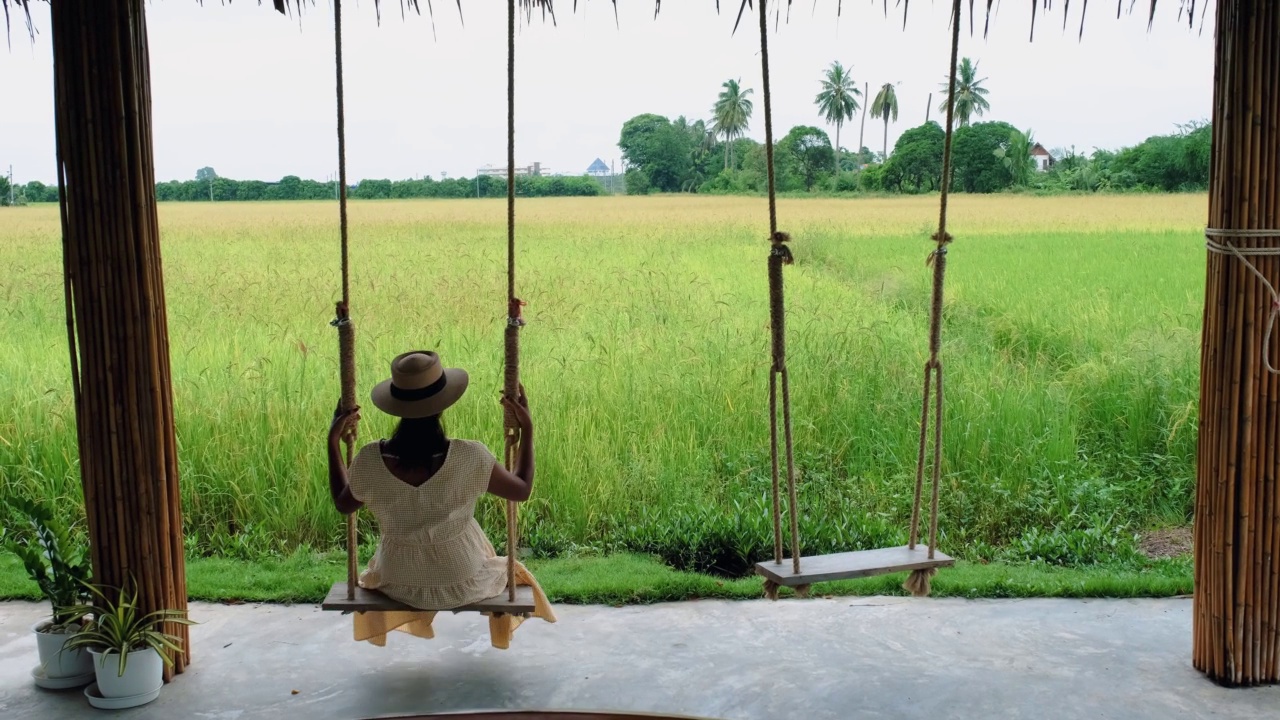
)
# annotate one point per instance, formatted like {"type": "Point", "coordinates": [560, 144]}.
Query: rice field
{"type": "Point", "coordinates": [1070, 346]}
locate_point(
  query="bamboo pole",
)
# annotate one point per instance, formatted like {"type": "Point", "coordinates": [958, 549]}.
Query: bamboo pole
{"type": "Point", "coordinates": [116, 320]}
{"type": "Point", "coordinates": [1271, 477]}
{"type": "Point", "coordinates": [1265, 563]}
{"type": "Point", "coordinates": [1236, 538]}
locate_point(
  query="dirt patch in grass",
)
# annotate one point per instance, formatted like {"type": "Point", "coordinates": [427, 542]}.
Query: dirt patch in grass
{"type": "Point", "coordinates": [1167, 543]}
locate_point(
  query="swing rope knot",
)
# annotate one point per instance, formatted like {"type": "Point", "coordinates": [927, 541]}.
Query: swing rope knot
{"type": "Point", "coordinates": [779, 250]}
{"type": "Point", "coordinates": [940, 251]}
{"type": "Point", "coordinates": [515, 317]}
{"type": "Point", "coordinates": [341, 315]}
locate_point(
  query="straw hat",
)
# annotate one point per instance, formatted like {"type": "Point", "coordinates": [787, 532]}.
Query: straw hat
{"type": "Point", "coordinates": [419, 386]}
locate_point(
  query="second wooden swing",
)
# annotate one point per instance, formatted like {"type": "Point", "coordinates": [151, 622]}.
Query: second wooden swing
{"type": "Point", "coordinates": [922, 561]}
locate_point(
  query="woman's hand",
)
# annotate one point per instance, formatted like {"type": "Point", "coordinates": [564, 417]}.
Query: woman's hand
{"type": "Point", "coordinates": [520, 408]}
{"type": "Point", "coordinates": [341, 420]}
{"type": "Point", "coordinates": [339, 485]}
{"type": "Point", "coordinates": [517, 483]}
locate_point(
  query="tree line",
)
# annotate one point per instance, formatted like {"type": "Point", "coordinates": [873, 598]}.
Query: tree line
{"type": "Point", "coordinates": [994, 156]}
{"type": "Point", "coordinates": [683, 155]}
{"type": "Point", "coordinates": [208, 186]}
{"type": "Point", "coordinates": [715, 156]}
{"type": "Point", "coordinates": [22, 193]}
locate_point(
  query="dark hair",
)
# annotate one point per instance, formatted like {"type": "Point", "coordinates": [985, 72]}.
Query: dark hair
{"type": "Point", "coordinates": [416, 440]}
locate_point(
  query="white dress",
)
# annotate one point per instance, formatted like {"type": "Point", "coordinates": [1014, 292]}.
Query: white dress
{"type": "Point", "coordinates": [432, 554]}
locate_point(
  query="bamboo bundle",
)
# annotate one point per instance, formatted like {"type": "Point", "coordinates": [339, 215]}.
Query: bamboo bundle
{"type": "Point", "coordinates": [116, 322]}
{"type": "Point", "coordinates": [1237, 538]}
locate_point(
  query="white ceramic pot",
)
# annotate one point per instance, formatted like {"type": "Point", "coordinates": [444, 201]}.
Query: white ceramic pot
{"type": "Point", "coordinates": [143, 673]}
{"type": "Point", "coordinates": [59, 663]}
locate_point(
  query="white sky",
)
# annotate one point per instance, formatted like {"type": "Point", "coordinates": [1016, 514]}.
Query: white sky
{"type": "Point", "coordinates": [251, 92]}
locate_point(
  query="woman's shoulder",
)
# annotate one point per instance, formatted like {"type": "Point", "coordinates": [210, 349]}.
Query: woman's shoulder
{"type": "Point", "coordinates": [469, 465]}
{"type": "Point", "coordinates": [365, 467]}
{"type": "Point", "coordinates": [473, 450]}
{"type": "Point", "coordinates": [370, 449]}
{"type": "Point", "coordinates": [368, 460]}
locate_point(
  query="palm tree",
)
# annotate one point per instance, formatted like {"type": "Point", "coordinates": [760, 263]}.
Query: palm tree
{"type": "Point", "coordinates": [1016, 155]}
{"type": "Point", "coordinates": [731, 115]}
{"type": "Point", "coordinates": [838, 100]}
{"type": "Point", "coordinates": [703, 141]}
{"type": "Point", "coordinates": [885, 105]}
{"type": "Point", "coordinates": [866, 92]}
{"type": "Point", "coordinates": [970, 95]}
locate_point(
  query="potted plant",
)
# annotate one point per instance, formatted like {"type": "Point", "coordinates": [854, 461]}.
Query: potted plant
{"type": "Point", "coordinates": [128, 648]}
{"type": "Point", "coordinates": [61, 569]}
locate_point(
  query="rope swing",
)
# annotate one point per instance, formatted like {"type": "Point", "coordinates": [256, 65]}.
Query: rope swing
{"type": "Point", "coordinates": [347, 343]}
{"type": "Point", "coordinates": [342, 315]}
{"type": "Point", "coordinates": [511, 338]}
{"type": "Point", "coordinates": [922, 563]}
{"type": "Point", "coordinates": [918, 583]}
{"type": "Point", "coordinates": [779, 255]}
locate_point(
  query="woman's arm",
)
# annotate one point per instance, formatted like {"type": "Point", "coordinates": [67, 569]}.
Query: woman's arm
{"type": "Point", "coordinates": [339, 487]}
{"type": "Point", "coordinates": [516, 484]}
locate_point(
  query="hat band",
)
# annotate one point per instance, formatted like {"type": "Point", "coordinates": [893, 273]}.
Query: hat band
{"type": "Point", "coordinates": [419, 393]}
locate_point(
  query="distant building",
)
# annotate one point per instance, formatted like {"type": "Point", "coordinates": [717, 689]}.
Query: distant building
{"type": "Point", "coordinates": [1044, 159]}
{"type": "Point", "coordinates": [598, 169]}
{"type": "Point", "coordinates": [534, 169]}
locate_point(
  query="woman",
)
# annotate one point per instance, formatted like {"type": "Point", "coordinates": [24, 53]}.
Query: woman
{"type": "Point", "coordinates": [422, 487]}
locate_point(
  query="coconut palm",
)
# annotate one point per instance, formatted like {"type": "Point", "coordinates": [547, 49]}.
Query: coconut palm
{"type": "Point", "coordinates": [970, 95]}
{"type": "Point", "coordinates": [731, 115]}
{"type": "Point", "coordinates": [838, 100]}
{"type": "Point", "coordinates": [885, 105]}
{"type": "Point", "coordinates": [1016, 156]}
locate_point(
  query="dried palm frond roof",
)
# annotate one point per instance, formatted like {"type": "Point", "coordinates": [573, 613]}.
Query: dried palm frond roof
{"type": "Point", "coordinates": [1186, 9]}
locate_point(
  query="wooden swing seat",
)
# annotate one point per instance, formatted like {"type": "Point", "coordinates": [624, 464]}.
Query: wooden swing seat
{"type": "Point", "coordinates": [374, 601]}
{"type": "Point", "coordinates": [846, 566]}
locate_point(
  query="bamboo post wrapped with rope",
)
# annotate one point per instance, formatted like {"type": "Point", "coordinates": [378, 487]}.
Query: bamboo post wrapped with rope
{"type": "Point", "coordinates": [1236, 607]}
{"type": "Point", "coordinates": [116, 319]}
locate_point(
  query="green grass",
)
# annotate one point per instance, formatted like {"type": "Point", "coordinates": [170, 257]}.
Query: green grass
{"type": "Point", "coordinates": [634, 579]}
{"type": "Point", "coordinates": [1070, 343]}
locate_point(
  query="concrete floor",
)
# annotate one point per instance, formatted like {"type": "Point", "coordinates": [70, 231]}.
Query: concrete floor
{"type": "Point", "coordinates": [838, 658]}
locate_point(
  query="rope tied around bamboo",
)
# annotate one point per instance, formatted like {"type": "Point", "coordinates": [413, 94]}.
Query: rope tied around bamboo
{"type": "Point", "coordinates": [1243, 255]}
{"type": "Point", "coordinates": [1236, 531]}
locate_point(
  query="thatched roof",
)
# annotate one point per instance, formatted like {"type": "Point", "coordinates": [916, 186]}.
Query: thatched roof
{"type": "Point", "coordinates": [1185, 8]}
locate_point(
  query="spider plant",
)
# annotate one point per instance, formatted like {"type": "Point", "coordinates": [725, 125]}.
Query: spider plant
{"type": "Point", "coordinates": [121, 627]}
